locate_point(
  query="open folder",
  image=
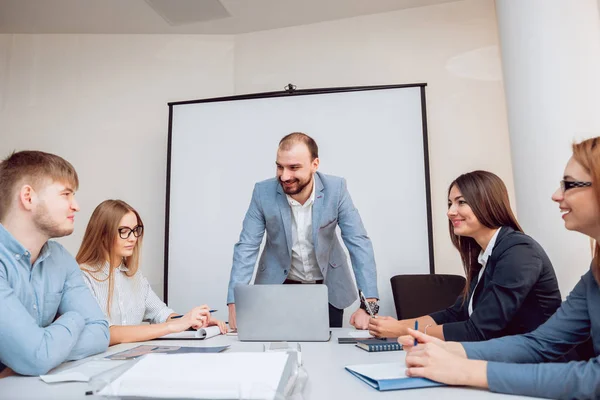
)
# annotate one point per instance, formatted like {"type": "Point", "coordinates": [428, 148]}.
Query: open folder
{"type": "Point", "coordinates": [388, 376]}
{"type": "Point", "coordinates": [200, 334]}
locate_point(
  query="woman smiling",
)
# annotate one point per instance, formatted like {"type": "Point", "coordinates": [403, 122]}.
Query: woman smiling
{"type": "Point", "coordinates": [521, 364]}
{"type": "Point", "coordinates": [511, 285]}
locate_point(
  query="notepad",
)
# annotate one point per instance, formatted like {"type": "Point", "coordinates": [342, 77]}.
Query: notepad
{"type": "Point", "coordinates": [388, 376]}
{"type": "Point", "coordinates": [200, 334]}
{"type": "Point", "coordinates": [371, 345]}
{"type": "Point", "coordinates": [204, 376]}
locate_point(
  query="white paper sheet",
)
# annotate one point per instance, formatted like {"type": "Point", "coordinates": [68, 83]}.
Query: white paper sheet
{"type": "Point", "coordinates": [381, 371]}
{"type": "Point", "coordinates": [358, 334]}
{"type": "Point", "coordinates": [202, 376]}
{"type": "Point", "coordinates": [82, 372]}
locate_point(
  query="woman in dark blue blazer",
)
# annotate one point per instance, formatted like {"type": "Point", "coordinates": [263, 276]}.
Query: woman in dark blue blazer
{"type": "Point", "coordinates": [526, 364]}
{"type": "Point", "coordinates": [511, 285]}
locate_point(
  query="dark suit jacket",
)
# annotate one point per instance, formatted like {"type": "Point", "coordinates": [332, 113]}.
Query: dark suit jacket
{"type": "Point", "coordinates": [517, 293]}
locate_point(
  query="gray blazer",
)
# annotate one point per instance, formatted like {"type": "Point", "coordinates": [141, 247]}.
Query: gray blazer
{"type": "Point", "coordinates": [270, 211]}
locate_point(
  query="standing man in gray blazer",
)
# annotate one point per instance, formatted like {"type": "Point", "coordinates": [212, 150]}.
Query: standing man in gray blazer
{"type": "Point", "coordinates": [300, 209]}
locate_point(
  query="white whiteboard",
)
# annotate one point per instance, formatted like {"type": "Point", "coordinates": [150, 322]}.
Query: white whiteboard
{"type": "Point", "coordinates": [220, 149]}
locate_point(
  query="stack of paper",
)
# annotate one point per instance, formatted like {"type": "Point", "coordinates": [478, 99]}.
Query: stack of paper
{"type": "Point", "coordinates": [204, 376]}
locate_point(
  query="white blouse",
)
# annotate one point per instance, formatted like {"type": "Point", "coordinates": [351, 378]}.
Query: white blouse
{"type": "Point", "coordinates": [133, 299]}
{"type": "Point", "coordinates": [482, 260]}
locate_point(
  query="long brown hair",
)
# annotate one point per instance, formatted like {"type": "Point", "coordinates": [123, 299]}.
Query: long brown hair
{"type": "Point", "coordinates": [487, 196]}
{"type": "Point", "coordinates": [97, 247]}
{"type": "Point", "coordinates": [587, 153]}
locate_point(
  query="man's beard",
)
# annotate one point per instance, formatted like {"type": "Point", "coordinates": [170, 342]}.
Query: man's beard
{"type": "Point", "coordinates": [300, 187]}
{"type": "Point", "coordinates": [43, 221]}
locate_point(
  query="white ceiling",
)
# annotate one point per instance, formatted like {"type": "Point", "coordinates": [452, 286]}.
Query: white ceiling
{"type": "Point", "coordinates": [138, 16]}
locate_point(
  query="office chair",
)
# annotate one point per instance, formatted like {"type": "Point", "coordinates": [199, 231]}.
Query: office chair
{"type": "Point", "coordinates": [417, 295]}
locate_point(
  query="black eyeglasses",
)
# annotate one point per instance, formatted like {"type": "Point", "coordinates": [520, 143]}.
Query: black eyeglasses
{"type": "Point", "coordinates": [125, 232]}
{"type": "Point", "coordinates": [566, 185]}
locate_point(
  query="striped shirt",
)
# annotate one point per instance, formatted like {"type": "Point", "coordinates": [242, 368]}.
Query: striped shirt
{"type": "Point", "coordinates": [133, 300]}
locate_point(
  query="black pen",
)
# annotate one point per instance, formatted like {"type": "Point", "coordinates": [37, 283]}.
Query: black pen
{"type": "Point", "coordinates": [366, 303]}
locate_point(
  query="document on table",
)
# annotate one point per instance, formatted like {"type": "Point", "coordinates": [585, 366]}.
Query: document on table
{"type": "Point", "coordinates": [82, 372]}
{"type": "Point", "coordinates": [200, 334]}
{"type": "Point", "coordinates": [144, 349]}
{"type": "Point", "coordinates": [203, 376]}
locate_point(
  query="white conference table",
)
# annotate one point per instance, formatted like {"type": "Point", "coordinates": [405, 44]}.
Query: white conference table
{"type": "Point", "coordinates": [324, 363]}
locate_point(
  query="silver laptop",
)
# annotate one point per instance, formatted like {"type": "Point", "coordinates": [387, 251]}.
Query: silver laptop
{"type": "Point", "coordinates": [296, 313]}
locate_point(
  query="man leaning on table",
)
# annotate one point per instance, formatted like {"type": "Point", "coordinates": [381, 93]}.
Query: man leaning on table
{"type": "Point", "coordinates": [300, 210]}
{"type": "Point", "coordinates": [48, 314]}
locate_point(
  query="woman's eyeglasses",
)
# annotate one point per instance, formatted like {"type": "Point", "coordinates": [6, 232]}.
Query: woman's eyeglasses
{"type": "Point", "coordinates": [566, 185]}
{"type": "Point", "coordinates": [125, 232]}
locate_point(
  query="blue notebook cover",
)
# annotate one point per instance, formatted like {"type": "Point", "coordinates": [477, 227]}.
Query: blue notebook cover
{"type": "Point", "coordinates": [388, 376]}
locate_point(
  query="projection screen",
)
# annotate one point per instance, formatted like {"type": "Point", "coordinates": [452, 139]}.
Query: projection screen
{"type": "Point", "coordinates": [375, 137]}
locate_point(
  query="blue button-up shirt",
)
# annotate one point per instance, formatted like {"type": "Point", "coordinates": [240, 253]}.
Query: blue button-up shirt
{"type": "Point", "coordinates": [32, 339]}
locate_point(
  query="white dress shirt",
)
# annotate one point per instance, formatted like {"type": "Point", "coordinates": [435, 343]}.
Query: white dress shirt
{"type": "Point", "coordinates": [304, 266]}
{"type": "Point", "coordinates": [482, 259]}
{"type": "Point", "coordinates": [133, 299]}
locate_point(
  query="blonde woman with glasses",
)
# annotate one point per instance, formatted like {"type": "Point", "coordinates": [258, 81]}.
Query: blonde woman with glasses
{"type": "Point", "coordinates": [523, 364]}
{"type": "Point", "coordinates": [109, 258]}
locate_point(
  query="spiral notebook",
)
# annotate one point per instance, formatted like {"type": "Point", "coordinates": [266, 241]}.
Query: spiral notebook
{"type": "Point", "coordinates": [200, 334]}
{"type": "Point", "coordinates": [388, 376]}
{"type": "Point", "coordinates": [387, 344]}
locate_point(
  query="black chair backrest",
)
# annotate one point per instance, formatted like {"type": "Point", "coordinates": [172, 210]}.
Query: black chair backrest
{"type": "Point", "coordinates": [418, 295]}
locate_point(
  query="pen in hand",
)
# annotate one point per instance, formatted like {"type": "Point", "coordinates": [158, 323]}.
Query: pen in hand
{"type": "Point", "coordinates": [366, 303]}
{"type": "Point", "coordinates": [416, 329]}
{"type": "Point", "coordinates": [179, 316]}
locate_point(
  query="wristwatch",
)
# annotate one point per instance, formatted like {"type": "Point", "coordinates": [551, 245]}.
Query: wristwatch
{"type": "Point", "coordinates": [373, 304]}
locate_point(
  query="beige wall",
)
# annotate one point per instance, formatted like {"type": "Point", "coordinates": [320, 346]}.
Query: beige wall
{"type": "Point", "coordinates": [452, 47]}
{"type": "Point", "coordinates": [100, 100]}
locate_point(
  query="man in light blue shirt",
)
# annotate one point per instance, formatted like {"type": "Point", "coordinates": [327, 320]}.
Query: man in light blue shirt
{"type": "Point", "coordinates": [48, 314]}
